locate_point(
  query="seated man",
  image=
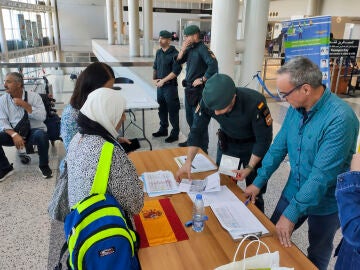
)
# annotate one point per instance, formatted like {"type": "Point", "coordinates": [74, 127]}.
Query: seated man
{"type": "Point", "coordinates": [14, 104]}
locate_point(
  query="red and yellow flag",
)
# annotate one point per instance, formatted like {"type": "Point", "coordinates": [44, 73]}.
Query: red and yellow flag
{"type": "Point", "coordinates": [159, 224]}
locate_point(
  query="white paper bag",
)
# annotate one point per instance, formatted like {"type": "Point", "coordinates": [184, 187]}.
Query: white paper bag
{"type": "Point", "coordinates": [266, 260]}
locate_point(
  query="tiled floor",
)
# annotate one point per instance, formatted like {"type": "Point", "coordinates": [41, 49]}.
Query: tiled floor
{"type": "Point", "coordinates": [29, 240]}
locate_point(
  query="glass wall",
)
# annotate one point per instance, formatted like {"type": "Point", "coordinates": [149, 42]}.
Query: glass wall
{"type": "Point", "coordinates": [24, 29]}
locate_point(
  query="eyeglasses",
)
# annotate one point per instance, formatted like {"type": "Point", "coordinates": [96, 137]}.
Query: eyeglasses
{"type": "Point", "coordinates": [283, 95]}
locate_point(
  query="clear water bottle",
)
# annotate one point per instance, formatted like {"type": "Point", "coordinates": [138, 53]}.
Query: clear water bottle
{"type": "Point", "coordinates": [198, 214]}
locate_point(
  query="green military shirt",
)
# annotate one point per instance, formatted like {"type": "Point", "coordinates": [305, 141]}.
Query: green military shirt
{"type": "Point", "coordinates": [165, 63]}
{"type": "Point", "coordinates": [200, 61]}
{"type": "Point", "coordinates": [248, 119]}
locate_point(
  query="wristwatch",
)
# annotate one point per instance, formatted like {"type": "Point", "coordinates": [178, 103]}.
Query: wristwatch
{"type": "Point", "coordinates": [249, 167]}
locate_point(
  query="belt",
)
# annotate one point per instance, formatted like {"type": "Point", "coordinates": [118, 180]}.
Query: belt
{"type": "Point", "coordinates": [187, 84]}
{"type": "Point", "coordinates": [172, 82]}
{"type": "Point", "coordinates": [238, 141]}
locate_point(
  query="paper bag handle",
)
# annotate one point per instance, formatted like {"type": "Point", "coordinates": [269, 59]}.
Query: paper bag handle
{"type": "Point", "coordinates": [243, 240]}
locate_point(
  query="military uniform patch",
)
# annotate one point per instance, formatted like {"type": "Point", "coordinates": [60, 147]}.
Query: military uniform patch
{"type": "Point", "coordinates": [211, 54]}
{"type": "Point", "coordinates": [264, 111]}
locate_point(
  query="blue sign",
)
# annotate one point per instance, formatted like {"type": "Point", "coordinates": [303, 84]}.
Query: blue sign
{"type": "Point", "coordinates": [309, 37]}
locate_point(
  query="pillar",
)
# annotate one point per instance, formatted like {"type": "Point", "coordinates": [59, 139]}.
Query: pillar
{"type": "Point", "coordinates": [50, 31]}
{"type": "Point", "coordinates": [312, 8]}
{"type": "Point", "coordinates": [223, 29]}
{"type": "Point", "coordinates": [256, 19]}
{"type": "Point", "coordinates": [148, 27]}
{"type": "Point", "coordinates": [134, 39]}
{"type": "Point", "coordinates": [110, 21]}
{"type": "Point", "coordinates": [119, 21]}
{"type": "Point", "coordinates": [56, 30]}
{"type": "Point", "coordinates": [4, 47]}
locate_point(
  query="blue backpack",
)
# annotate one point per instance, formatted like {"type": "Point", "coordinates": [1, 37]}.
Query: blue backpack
{"type": "Point", "coordinates": [96, 230]}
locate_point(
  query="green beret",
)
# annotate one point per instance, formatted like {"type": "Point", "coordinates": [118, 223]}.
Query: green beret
{"type": "Point", "coordinates": [165, 34]}
{"type": "Point", "coordinates": [191, 30]}
{"type": "Point", "coordinates": [218, 92]}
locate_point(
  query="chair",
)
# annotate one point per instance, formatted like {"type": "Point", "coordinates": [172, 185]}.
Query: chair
{"type": "Point", "coordinates": [123, 80]}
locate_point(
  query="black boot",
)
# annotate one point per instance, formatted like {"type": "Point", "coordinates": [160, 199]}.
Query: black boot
{"type": "Point", "coordinates": [160, 133]}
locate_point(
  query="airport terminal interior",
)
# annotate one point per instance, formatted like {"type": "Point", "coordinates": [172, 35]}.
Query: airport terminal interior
{"type": "Point", "coordinates": [57, 39]}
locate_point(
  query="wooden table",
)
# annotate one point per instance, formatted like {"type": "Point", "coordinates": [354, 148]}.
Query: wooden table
{"type": "Point", "coordinates": [214, 246]}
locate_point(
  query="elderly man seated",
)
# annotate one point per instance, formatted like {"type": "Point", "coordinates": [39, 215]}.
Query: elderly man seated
{"type": "Point", "coordinates": [22, 116]}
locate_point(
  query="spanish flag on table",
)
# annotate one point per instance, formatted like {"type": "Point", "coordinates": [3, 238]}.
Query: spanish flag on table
{"type": "Point", "coordinates": [159, 224]}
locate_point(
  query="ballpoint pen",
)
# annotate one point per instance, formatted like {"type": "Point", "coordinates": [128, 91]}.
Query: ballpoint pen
{"type": "Point", "coordinates": [247, 201]}
{"type": "Point", "coordinates": [192, 166]}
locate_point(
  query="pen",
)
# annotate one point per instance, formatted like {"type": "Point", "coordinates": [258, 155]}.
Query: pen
{"type": "Point", "coordinates": [192, 166]}
{"type": "Point", "coordinates": [247, 201]}
{"type": "Point", "coordinates": [190, 222]}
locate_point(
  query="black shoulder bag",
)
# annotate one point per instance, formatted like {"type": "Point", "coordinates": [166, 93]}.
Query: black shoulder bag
{"type": "Point", "coordinates": [23, 126]}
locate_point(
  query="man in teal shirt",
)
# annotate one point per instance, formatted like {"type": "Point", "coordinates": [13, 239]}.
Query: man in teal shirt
{"type": "Point", "coordinates": [319, 136]}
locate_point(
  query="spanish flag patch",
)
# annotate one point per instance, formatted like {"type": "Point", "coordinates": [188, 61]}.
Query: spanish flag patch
{"type": "Point", "coordinates": [265, 112]}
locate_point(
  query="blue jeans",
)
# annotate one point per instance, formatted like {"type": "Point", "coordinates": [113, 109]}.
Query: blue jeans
{"type": "Point", "coordinates": [190, 111]}
{"type": "Point", "coordinates": [321, 233]}
{"type": "Point", "coordinates": [36, 137]}
{"type": "Point", "coordinates": [348, 257]}
{"type": "Point", "coordinates": [348, 199]}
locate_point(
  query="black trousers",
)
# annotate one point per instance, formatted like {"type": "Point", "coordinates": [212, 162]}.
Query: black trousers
{"type": "Point", "coordinates": [169, 106]}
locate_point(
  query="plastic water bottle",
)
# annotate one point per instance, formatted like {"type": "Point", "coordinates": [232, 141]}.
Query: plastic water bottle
{"type": "Point", "coordinates": [198, 214]}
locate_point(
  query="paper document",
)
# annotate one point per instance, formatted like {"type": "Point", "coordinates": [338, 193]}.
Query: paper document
{"type": "Point", "coordinates": [227, 164]}
{"type": "Point", "coordinates": [211, 183]}
{"type": "Point", "coordinates": [237, 219]}
{"type": "Point", "coordinates": [199, 164]}
{"type": "Point", "coordinates": [224, 194]}
{"type": "Point", "coordinates": [160, 183]}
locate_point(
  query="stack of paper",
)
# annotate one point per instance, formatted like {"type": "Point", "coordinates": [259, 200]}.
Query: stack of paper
{"type": "Point", "coordinates": [199, 164]}
{"type": "Point", "coordinates": [224, 194]}
{"type": "Point", "coordinates": [160, 183]}
{"type": "Point", "coordinates": [228, 164]}
{"type": "Point", "coordinates": [237, 219]}
{"type": "Point", "coordinates": [210, 184]}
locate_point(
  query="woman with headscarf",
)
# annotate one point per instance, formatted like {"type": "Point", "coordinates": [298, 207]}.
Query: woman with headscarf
{"type": "Point", "coordinates": [99, 120]}
{"type": "Point", "coordinates": [94, 76]}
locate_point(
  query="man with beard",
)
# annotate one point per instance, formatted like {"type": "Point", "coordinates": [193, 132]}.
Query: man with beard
{"type": "Point", "coordinates": [166, 70]}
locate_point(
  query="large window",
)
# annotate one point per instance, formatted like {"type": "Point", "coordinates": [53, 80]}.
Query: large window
{"type": "Point", "coordinates": [25, 29]}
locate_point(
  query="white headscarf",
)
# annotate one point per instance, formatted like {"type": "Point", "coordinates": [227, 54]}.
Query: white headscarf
{"type": "Point", "coordinates": [105, 106]}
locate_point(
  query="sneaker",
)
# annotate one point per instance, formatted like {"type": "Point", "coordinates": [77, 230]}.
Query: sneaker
{"type": "Point", "coordinates": [160, 133]}
{"type": "Point", "coordinates": [171, 138]}
{"type": "Point", "coordinates": [182, 144]}
{"type": "Point", "coordinates": [46, 171]}
{"type": "Point", "coordinates": [5, 173]}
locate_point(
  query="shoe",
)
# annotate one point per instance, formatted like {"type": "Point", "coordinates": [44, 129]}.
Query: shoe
{"type": "Point", "coordinates": [160, 133]}
{"type": "Point", "coordinates": [183, 144]}
{"type": "Point", "coordinates": [46, 171]}
{"type": "Point", "coordinates": [171, 138]}
{"type": "Point", "coordinates": [5, 173]}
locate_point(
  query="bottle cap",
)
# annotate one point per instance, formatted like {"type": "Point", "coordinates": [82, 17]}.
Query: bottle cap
{"type": "Point", "coordinates": [198, 196]}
